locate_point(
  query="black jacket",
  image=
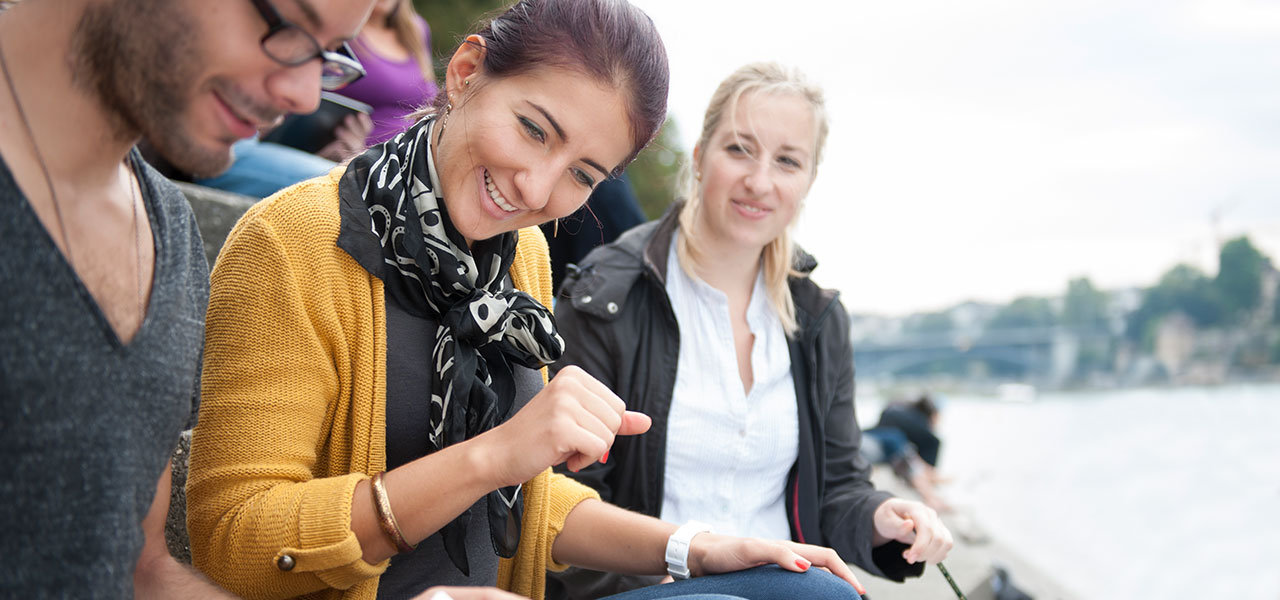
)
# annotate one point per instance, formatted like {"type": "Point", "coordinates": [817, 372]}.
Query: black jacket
{"type": "Point", "coordinates": [619, 326]}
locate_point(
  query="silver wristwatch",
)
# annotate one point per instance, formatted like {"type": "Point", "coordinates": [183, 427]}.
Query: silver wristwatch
{"type": "Point", "coordinates": [678, 548]}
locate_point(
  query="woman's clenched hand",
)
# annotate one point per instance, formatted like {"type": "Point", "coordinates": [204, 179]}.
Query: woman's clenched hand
{"type": "Point", "coordinates": [573, 420]}
{"type": "Point", "coordinates": [913, 523]}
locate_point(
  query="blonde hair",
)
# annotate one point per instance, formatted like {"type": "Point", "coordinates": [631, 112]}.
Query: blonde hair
{"type": "Point", "coordinates": [401, 21]}
{"type": "Point", "coordinates": [779, 254]}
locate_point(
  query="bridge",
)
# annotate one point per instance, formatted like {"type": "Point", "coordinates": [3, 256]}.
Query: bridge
{"type": "Point", "coordinates": [1045, 355]}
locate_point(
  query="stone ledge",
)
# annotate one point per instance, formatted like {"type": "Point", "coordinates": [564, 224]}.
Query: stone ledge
{"type": "Point", "coordinates": [216, 213]}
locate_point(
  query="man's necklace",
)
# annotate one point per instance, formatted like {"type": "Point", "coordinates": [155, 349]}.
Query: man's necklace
{"type": "Point", "coordinates": [53, 194]}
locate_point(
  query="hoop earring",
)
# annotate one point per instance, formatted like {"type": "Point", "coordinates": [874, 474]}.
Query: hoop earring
{"type": "Point", "coordinates": [555, 228]}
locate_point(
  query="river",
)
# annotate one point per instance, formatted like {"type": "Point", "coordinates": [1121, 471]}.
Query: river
{"type": "Point", "coordinates": [1147, 493]}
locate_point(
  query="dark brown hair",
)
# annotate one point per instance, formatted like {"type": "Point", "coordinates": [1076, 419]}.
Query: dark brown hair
{"type": "Point", "coordinates": [925, 406]}
{"type": "Point", "coordinates": [609, 40]}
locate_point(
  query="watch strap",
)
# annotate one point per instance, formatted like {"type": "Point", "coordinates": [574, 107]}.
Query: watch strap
{"type": "Point", "coordinates": [677, 554]}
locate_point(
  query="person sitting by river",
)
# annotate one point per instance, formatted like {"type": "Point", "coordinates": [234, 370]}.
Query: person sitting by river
{"type": "Point", "coordinates": [906, 441]}
{"type": "Point", "coordinates": [707, 321]}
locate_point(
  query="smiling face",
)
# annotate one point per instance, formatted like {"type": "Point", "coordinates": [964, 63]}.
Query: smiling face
{"type": "Point", "coordinates": [755, 169]}
{"type": "Point", "coordinates": [190, 75]}
{"type": "Point", "coordinates": [525, 149]}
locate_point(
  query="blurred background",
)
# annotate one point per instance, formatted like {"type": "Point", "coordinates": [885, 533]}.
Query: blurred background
{"type": "Point", "coordinates": [1059, 218]}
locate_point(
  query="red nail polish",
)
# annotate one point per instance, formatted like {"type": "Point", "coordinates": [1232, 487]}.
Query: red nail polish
{"type": "Point", "coordinates": [803, 564]}
{"type": "Point", "coordinates": [605, 458]}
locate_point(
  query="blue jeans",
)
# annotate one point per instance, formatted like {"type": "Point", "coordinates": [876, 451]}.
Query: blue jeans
{"type": "Point", "coordinates": [889, 445]}
{"type": "Point", "coordinates": [263, 168]}
{"type": "Point", "coordinates": [884, 445]}
{"type": "Point", "coordinates": [769, 582]}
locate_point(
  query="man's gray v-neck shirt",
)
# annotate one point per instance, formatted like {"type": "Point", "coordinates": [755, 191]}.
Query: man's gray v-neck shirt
{"type": "Point", "coordinates": [87, 423]}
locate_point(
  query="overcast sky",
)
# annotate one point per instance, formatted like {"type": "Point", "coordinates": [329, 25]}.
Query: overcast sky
{"type": "Point", "coordinates": [993, 148]}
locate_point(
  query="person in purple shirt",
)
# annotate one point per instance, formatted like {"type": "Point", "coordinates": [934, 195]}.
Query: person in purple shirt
{"type": "Point", "coordinates": [394, 48]}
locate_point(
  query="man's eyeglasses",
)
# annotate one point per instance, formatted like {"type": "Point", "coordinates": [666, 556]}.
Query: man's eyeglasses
{"type": "Point", "coordinates": [292, 46]}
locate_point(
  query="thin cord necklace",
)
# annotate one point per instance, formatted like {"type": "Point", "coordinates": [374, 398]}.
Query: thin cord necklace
{"type": "Point", "coordinates": [53, 194]}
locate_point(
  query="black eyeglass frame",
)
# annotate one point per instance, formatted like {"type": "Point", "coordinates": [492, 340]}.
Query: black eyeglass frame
{"type": "Point", "coordinates": [340, 68]}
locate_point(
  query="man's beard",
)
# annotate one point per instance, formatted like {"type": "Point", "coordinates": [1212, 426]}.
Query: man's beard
{"type": "Point", "coordinates": [141, 59]}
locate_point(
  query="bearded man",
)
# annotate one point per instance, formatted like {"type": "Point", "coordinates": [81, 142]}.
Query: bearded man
{"type": "Point", "coordinates": [101, 265]}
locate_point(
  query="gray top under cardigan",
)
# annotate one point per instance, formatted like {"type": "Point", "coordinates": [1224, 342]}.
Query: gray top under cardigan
{"type": "Point", "coordinates": [408, 388]}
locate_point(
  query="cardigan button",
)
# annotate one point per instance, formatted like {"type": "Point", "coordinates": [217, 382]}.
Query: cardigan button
{"type": "Point", "coordinates": [613, 307]}
{"type": "Point", "coordinates": [586, 299]}
{"type": "Point", "coordinates": [285, 563]}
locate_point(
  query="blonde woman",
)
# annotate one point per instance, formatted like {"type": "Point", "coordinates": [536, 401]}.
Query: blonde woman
{"type": "Point", "coordinates": [707, 321]}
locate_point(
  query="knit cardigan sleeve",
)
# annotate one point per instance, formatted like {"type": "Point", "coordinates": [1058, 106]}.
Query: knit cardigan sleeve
{"type": "Point", "coordinates": [293, 405]}
{"type": "Point", "coordinates": [293, 413]}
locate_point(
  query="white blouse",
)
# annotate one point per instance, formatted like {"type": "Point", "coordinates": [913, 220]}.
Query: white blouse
{"type": "Point", "coordinates": [728, 453]}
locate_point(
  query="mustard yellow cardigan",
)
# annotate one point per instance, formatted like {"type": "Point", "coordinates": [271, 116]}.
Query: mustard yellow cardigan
{"type": "Point", "coordinates": [294, 405]}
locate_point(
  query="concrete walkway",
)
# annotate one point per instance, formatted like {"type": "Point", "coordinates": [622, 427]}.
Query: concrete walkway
{"type": "Point", "coordinates": [971, 563]}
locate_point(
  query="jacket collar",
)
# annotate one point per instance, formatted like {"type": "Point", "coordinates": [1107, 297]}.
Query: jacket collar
{"type": "Point", "coordinates": [808, 296]}
{"type": "Point", "coordinates": [605, 283]}
{"type": "Point", "coordinates": [659, 245]}
{"type": "Point", "coordinates": [658, 249]}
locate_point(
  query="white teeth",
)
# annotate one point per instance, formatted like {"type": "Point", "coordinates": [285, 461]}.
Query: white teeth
{"type": "Point", "coordinates": [496, 195]}
{"type": "Point", "coordinates": [749, 207]}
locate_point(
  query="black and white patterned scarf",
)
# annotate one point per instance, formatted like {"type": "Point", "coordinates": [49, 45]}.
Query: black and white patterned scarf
{"type": "Point", "coordinates": [394, 223]}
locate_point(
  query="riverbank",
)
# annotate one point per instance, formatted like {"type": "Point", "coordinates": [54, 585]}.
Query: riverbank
{"type": "Point", "coordinates": [972, 563]}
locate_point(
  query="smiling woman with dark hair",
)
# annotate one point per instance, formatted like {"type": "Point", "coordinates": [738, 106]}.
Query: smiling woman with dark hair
{"type": "Point", "coordinates": [374, 422]}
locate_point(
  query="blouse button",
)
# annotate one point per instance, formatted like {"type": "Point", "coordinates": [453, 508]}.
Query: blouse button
{"type": "Point", "coordinates": [612, 307]}
{"type": "Point", "coordinates": [586, 299]}
{"type": "Point", "coordinates": [285, 563]}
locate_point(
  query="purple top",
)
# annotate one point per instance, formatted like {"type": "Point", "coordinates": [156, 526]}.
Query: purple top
{"type": "Point", "coordinates": [393, 88]}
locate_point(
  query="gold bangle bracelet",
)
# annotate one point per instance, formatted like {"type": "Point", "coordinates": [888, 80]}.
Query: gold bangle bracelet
{"type": "Point", "coordinates": [386, 518]}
